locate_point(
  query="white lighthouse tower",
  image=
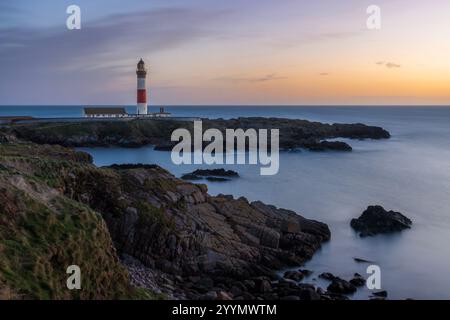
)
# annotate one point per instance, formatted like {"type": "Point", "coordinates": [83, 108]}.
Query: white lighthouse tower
{"type": "Point", "coordinates": [141, 88]}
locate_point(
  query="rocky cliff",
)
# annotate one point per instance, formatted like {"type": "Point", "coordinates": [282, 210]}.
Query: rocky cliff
{"type": "Point", "coordinates": [58, 209]}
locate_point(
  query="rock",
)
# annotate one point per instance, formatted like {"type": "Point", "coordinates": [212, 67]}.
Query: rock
{"type": "Point", "coordinates": [212, 175]}
{"type": "Point", "coordinates": [335, 296]}
{"type": "Point", "coordinates": [294, 133]}
{"type": "Point", "coordinates": [222, 295]}
{"type": "Point", "coordinates": [328, 145]}
{"type": "Point", "coordinates": [341, 286]}
{"type": "Point", "coordinates": [188, 239]}
{"type": "Point", "coordinates": [359, 260]}
{"type": "Point", "coordinates": [191, 177]}
{"type": "Point", "coordinates": [306, 272]}
{"type": "Point", "coordinates": [265, 286]}
{"type": "Point", "coordinates": [309, 294]}
{"type": "Point", "coordinates": [294, 275]}
{"type": "Point", "coordinates": [358, 280]}
{"type": "Point", "coordinates": [327, 276]}
{"type": "Point", "coordinates": [290, 298]}
{"type": "Point", "coordinates": [217, 179]}
{"type": "Point", "coordinates": [377, 220]}
{"type": "Point", "coordinates": [382, 294]}
{"type": "Point", "coordinates": [215, 173]}
{"type": "Point", "coordinates": [204, 284]}
{"type": "Point", "coordinates": [210, 295]}
{"type": "Point", "coordinates": [164, 147]}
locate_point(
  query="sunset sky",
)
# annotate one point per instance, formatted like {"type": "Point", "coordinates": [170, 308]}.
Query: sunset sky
{"type": "Point", "coordinates": [226, 52]}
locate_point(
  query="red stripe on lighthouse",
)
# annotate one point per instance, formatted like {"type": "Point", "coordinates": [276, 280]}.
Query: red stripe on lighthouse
{"type": "Point", "coordinates": [142, 96]}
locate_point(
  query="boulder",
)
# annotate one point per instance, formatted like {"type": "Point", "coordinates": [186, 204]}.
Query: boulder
{"type": "Point", "coordinates": [327, 276]}
{"type": "Point", "coordinates": [377, 220]}
{"type": "Point", "coordinates": [294, 275]}
{"type": "Point", "coordinates": [341, 286]}
{"type": "Point", "coordinates": [380, 294]}
{"type": "Point", "coordinates": [358, 280]}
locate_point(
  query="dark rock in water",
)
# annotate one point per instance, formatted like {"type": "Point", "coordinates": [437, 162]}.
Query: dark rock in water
{"type": "Point", "coordinates": [359, 260]}
{"type": "Point", "coordinates": [327, 145]}
{"type": "Point", "coordinates": [217, 179]}
{"type": "Point", "coordinates": [309, 294]}
{"type": "Point", "coordinates": [294, 275]}
{"type": "Point", "coordinates": [215, 173]}
{"type": "Point", "coordinates": [336, 145]}
{"type": "Point", "coordinates": [327, 276]}
{"type": "Point", "coordinates": [382, 294]}
{"type": "Point", "coordinates": [212, 175]}
{"type": "Point", "coordinates": [341, 286]}
{"type": "Point", "coordinates": [191, 177]}
{"type": "Point", "coordinates": [306, 272]}
{"type": "Point", "coordinates": [334, 296]}
{"type": "Point", "coordinates": [358, 280]}
{"type": "Point", "coordinates": [377, 220]}
{"type": "Point", "coordinates": [164, 147]}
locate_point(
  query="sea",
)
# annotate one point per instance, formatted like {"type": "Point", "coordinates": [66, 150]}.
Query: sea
{"type": "Point", "coordinates": [409, 173]}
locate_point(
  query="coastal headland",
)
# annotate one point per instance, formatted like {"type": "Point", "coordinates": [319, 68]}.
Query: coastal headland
{"type": "Point", "coordinates": [136, 231]}
{"type": "Point", "coordinates": [294, 134]}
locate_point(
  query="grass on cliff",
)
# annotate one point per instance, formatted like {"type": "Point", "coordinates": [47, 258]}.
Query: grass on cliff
{"type": "Point", "coordinates": [38, 244]}
{"type": "Point", "coordinates": [42, 231]}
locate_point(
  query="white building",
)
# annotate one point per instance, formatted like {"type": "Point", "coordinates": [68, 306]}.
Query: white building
{"type": "Point", "coordinates": [105, 112]}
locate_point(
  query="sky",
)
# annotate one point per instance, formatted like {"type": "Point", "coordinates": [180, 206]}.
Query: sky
{"type": "Point", "coordinates": [211, 52]}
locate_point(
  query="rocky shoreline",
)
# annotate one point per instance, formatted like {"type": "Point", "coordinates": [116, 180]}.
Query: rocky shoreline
{"type": "Point", "coordinates": [196, 245]}
{"type": "Point", "coordinates": [163, 237]}
{"type": "Point", "coordinates": [294, 134]}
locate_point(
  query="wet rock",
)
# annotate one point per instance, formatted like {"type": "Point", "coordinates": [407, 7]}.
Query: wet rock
{"type": "Point", "coordinates": [359, 260]}
{"type": "Point", "coordinates": [382, 294]}
{"type": "Point", "coordinates": [191, 177]}
{"type": "Point", "coordinates": [212, 175]}
{"type": "Point", "coordinates": [328, 145]}
{"type": "Point", "coordinates": [306, 272]}
{"type": "Point", "coordinates": [215, 173]}
{"type": "Point", "coordinates": [327, 276]}
{"type": "Point", "coordinates": [358, 280]}
{"type": "Point", "coordinates": [294, 275]}
{"type": "Point", "coordinates": [290, 298]}
{"type": "Point", "coordinates": [341, 286]}
{"type": "Point", "coordinates": [377, 220]}
{"type": "Point", "coordinates": [217, 179]}
{"type": "Point", "coordinates": [309, 294]}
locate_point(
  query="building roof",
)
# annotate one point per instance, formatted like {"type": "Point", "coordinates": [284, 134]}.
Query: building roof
{"type": "Point", "coordinates": [13, 118]}
{"type": "Point", "coordinates": [105, 110]}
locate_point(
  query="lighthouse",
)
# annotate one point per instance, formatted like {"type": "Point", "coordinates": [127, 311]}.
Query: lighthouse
{"type": "Point", "coordinates": [141, 88]}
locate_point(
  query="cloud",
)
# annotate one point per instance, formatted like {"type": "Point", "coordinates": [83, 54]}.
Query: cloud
{"type": "Point", "coordinates": [324, 74]}
{"type": "Point", "coordinates": [265, 78]}
{"type": "Point", "coordinates": [56, 64]}
{"type": "Point", "coordinates": [390, 65]}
